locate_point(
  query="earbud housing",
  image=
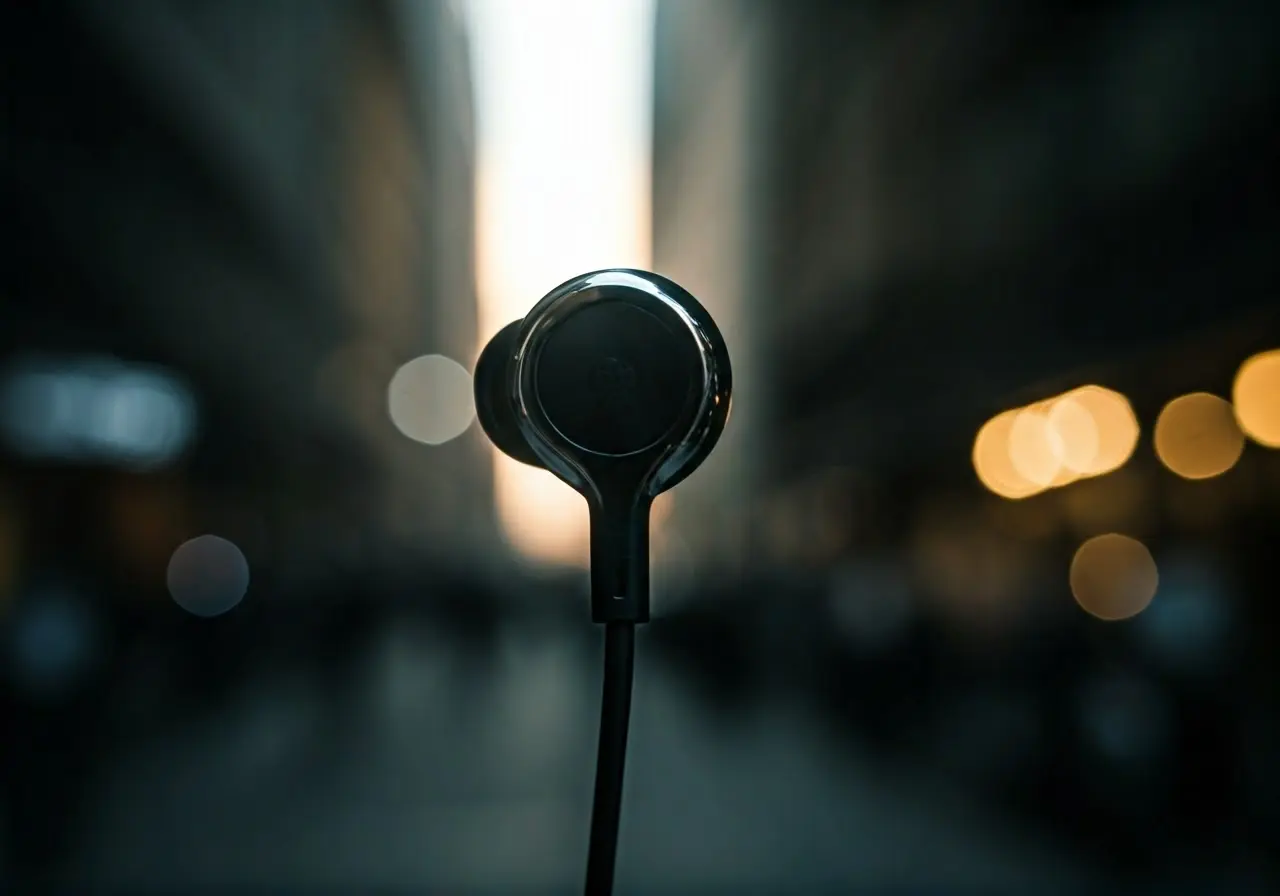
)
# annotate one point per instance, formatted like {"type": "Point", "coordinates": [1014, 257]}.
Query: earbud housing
{"type": "Point", "coordinates": [619, 383]}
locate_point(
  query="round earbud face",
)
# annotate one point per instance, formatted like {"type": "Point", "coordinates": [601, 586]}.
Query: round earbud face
{"type": "Point", "coordinates": [618, 382]}
{"type": "Point", "coordinates": [620, 375]}
{"type": "Point", "coordinates": [614, 378]}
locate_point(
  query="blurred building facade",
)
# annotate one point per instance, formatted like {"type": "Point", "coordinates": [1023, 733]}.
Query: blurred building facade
{"type": "Point", "coordinates": [913, 217]}
{"type": "Point", "coordinates": [276, 209]}
{"type": "Point", "coordinates": [712, 143]}
{"type": "Point", "coordinates": [926, 214]}
{"type": "Point", "coordinates": [225, 227]}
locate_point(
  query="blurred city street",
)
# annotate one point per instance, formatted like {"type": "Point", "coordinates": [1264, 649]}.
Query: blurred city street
{"type": "Point", "coordinates": [468, 774]}
{"type": "Point", "coordinates": [971, 590]}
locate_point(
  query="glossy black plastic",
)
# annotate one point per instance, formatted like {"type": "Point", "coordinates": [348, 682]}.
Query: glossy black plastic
{"type": "Point", "coordinates": [493, 404]}
{"type": "Point", "coordinates": [619, 383]}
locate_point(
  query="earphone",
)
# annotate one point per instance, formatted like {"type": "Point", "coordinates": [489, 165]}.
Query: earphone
{"type": "Point", "coordinates": [619, 383]}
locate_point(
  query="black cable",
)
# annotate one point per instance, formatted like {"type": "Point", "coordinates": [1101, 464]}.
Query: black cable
{"type": "Point", "coordinates": [615, 714]}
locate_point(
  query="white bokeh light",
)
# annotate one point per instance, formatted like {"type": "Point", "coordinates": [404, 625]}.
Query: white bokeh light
{"type": "Point", "coordinates": [430, 399]}
{"type": "Point", "coordinates": [95, 409]}
{"type": "Point", "coordinates": [208, 576]}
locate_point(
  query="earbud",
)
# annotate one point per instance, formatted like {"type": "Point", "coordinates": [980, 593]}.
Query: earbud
{"type": "Point", "coordinates": [618, 382]}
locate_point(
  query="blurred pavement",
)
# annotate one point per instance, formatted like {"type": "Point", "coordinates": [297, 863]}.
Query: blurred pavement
{"type": "Point", "coordinates": [485, 766]}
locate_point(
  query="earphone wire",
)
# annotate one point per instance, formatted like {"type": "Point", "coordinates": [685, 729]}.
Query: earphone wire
{"type": "Point", "coordinates": [615, 714]}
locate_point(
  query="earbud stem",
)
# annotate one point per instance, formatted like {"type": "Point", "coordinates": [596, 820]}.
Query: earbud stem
{"type": "Point", "coordinates": [620, 561]}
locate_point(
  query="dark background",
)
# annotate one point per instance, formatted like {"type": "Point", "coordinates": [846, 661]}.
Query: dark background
{"type": "Point", "coordinates": [932, 212]}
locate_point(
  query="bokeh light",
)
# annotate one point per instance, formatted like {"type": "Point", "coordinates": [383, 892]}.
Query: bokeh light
{"type": "Point", "coordinates": [992, 460]}
{"type": "Point", "coordinates": [1072, 434]}
{"type": "Point", "coordinates": [1256, 397]}
{"type": "Point", "coordinates": [95, 409]}
{"type": "Point", "coordinates": [208, 575]}
{"type": "Point", "coordinates": [1114, 422]}
{"type": "Point", "coordinates": [1086, 432]}
{"type": "Point", "coordinates": [1197, 437]}
{"type": "Point", "coordinates": [430, 399]}
{"type": "Point", "coordinates": [1113, 577]}
{"type": "Point", "coordinates": [1034, 447]}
